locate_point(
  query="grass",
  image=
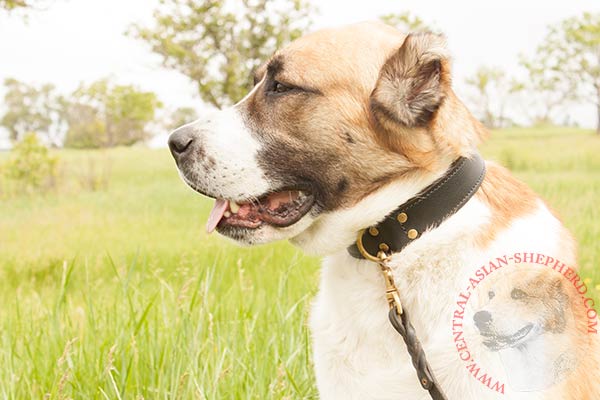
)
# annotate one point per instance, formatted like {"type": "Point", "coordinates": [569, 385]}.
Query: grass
{"type": "Point", "coordinates": [118, 293]}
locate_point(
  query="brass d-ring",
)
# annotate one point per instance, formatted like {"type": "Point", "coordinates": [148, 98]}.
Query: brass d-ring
{"type": "Point", "coordinates": [362, 250]}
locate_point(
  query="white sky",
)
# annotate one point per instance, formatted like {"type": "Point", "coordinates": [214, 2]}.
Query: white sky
{"type": "Point", "coordinates": [83, 40]}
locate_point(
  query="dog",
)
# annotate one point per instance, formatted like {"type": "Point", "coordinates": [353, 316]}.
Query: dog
{"type": "Point", "coordinates": [529, 321]}
{"type": "Point", "coordinates": [342, 126]}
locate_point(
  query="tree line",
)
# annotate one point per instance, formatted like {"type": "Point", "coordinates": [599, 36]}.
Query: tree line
{"type": "Point", "coordinates": [564, 71]}
{"type": "Point", "coordinates": [218, 47]}
{"type": "Point", "coordinates": [95, 115]}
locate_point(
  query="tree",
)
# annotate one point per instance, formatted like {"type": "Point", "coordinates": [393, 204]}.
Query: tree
{"type": "Point", "coordinates": [13, 4]}
{"type": "Point", "coordinates": [105, 115]}
{"type": "Point", "coordinates": [181, 116]}
{"type": "Point", "coordinates": [86, 128]}
{"type": "Point", "coordinates": [548, 91]}
{"type": "Point", "coordinates": [218, 47]}
{"type": "Point", "coordinates": [567, 63]}
{"type": "Point", "coordinates": [493, 90]}
{"type": "Point", "coordinates": [405, 22]}
{"type": "Point", "coordinates": [31, 108]}
{"type": "Point", "coordinates": [31, 166]}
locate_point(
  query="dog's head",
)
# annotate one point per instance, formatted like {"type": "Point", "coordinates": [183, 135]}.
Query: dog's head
{"type": "Point", "coordinates": [523, 306]}
{"type": "Point", "coordinates": [333, 117]}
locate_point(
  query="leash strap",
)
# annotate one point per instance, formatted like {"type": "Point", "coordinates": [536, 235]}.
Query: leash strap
{"type": "Point", "coordinates": [426, 377]}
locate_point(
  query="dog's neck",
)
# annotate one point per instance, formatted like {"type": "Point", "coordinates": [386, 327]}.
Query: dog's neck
{"type": "Point", "coordinates": [425, 211]}
{"type": "Point", "coordinates": [426, 199]}
{"type": "Point", "coordinates": [335, 231]}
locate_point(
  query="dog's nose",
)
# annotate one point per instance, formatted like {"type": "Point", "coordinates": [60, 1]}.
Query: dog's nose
{"type": "Point", "coordinates": [180, 141]}
{"type": "Point", "coordinates": [482, 319]}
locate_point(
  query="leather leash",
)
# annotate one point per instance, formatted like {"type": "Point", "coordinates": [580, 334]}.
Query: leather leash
{"type": "Point", "coordinates": [427, 210]}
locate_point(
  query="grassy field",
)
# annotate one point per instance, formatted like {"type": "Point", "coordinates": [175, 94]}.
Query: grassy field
{"type": "Point", "coordinates": [118, 293]}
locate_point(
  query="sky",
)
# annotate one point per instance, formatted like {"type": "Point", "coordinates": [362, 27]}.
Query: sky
{"type": "Point", "coordinates": [73, 41]}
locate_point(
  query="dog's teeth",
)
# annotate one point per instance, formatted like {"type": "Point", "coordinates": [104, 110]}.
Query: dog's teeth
{"type": "Point", "coordinates": [227, 214]}
{"type": "Point", "coordinates": [234, 207]}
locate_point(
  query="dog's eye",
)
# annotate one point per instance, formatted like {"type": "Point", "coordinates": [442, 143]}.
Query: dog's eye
{"type": "Point", "coordinates": [517, 294]}
{"type": "Point", "coordinates": [491, 294]}
{"type": "Point", "coordinates": [279, 87]}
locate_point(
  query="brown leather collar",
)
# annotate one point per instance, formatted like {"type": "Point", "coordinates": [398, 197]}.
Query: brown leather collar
{"type": "Point", "coordinates": [427, 210]}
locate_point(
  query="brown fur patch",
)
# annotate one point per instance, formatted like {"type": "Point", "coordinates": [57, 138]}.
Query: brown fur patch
{"type": "Point", "coordinates": [507, 198]}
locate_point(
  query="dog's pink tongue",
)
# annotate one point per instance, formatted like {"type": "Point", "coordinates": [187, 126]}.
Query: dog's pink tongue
{"type": "Point", "coordinates": [216, 214]}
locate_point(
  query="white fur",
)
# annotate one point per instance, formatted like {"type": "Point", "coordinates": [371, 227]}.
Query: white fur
{"type": "Point", "coordinates": [235, 174]}
{"type": "Point", "coordinates": [535, 367]}
{"type": "Point", "coordinates": [357, 353]}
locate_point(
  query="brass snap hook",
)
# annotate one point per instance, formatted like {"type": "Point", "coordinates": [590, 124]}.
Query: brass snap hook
{"type": "Point", "coordinates": [391, 291]}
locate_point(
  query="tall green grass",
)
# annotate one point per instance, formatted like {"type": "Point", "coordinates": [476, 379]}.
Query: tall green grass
{"type": "Point", "coordinates": [118, 294]}
{"type": "Point", "coordinates": [563, 166]}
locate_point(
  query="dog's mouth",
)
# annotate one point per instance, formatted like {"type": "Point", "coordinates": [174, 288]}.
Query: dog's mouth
{"type": "Point", "coordinates": [497, 342]}
{"type": "Point", "coordinates": [280, 209]}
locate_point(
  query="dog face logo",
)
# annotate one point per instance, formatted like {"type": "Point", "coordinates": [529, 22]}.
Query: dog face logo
{"type": "Point", "coordinates": [333, 117]}
{"type": "Point", "coordinates": [528, 321]}
{"type": "Point", "coordinates": [522, 312]}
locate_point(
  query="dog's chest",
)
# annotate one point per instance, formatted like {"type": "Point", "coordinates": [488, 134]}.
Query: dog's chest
{"type": "Point", "coordinates": [357, 352]}
{"type": "Point", "coordinates": [358, 355]}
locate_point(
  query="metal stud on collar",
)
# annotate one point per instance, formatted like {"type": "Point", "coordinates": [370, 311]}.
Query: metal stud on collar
{"type": "Point", "coordinates": [402, 217]}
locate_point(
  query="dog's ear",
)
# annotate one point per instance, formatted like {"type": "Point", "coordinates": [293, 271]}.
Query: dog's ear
{"type": "Point", "coordinates": [557, 292]}
{"type": "Point", "coordinates": [556, 320]}
{"type": "Point", "coordinates": [412, 83]}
